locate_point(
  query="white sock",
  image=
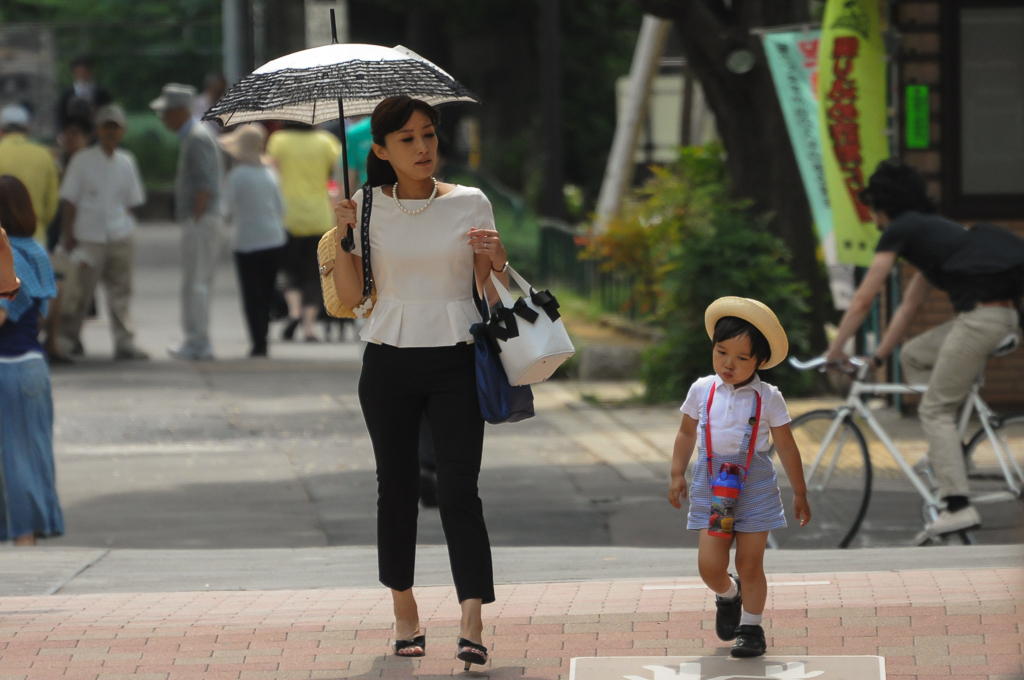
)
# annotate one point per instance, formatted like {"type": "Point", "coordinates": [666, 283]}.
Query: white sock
{"type": "Point", "coordinates": [733, 591]}
{"type": "Point", "coordinates": [748, 619]}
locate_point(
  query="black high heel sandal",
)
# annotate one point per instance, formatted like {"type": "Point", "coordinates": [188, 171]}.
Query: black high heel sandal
{"type": "Point", "coordinates": [418, 641]}
{"type": "Point", "coordinates": [471, 653]}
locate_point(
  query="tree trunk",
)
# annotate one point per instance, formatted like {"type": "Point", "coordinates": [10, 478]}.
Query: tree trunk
{"type": "Point", "coordinates": [552, 202]}
{"type": "Point", "coordinates": [749, 119]}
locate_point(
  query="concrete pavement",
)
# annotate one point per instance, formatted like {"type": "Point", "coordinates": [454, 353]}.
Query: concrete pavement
{"type": "Point", "coordinates": [242, 453]}
{"type": "Point", "coordinates": [220, 518]}
{"type": "Point", "coordinates": [912, 624]}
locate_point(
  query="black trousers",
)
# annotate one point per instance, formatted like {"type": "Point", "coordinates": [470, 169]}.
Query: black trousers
{"type": "Point", "coordinates": [257, 273]}
{"type": "Point", "coordinates": [396, 388]}
{"type": "Point", "coordinates": [302, 266]}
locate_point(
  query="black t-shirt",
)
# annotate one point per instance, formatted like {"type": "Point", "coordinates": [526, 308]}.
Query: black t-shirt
{"type": "Point", "coordinates": [928, 242]}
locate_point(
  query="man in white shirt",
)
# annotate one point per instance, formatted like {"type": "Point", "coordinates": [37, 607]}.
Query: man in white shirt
{"type": "Point", "coordinates": [101, 188]}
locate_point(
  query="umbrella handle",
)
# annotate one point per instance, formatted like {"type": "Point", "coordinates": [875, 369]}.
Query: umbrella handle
{"type": "Point", "coordinates": [344, 136]}
{"type": "Point", "coordinates": [348, 242]}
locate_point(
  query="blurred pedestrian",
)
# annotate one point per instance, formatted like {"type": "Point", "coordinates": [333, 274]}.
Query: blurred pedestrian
{"type": "Point", "coordinates": [30, 162]}
{"type": "Point", "coordinates": [83, 89]}
{"type": "Point", "coordinates": [102, 187]}
{"type": "Point", "coordinates": [252, 201]}
{"type": "Point", "coordinates": [29, 507]}
{"type": "Point", "coordinates": [73, 138]}
{"type": "Point", "coordinates": [214, 87]}
{"type": "Point", "coordinates": [9, 282]}
{"type": "Point", "coordinates": [306, 159]}
{"type": "Point", "coordinates": [197, 189]}
{"type": "Point", "coordinates": [359, 140]}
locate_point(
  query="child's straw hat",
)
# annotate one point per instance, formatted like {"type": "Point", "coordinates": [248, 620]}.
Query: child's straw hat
{"type": "Point", "coordinates": [757, 314]}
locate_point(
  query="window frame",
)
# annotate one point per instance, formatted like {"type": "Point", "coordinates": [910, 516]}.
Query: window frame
{"type": "Point", "coordinates": [955, 202]}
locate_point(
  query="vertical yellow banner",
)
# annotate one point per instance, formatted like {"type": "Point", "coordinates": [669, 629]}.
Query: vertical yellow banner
{"type": "Point", "coordinates": [852, 101]}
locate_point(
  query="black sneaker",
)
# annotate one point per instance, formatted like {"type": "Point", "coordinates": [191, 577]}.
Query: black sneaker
{"type": "Point", "coordinates": [749, 642]}
{"type": "Point", "coordinates": [728, 616]}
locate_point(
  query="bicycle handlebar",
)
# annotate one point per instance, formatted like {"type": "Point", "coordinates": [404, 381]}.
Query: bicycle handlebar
{"type": "Point", "coordinates": [822, 364]}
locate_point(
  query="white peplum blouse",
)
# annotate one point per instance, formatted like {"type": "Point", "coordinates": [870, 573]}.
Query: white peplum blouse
{"type": "Point", "coordinates": [423, 268]}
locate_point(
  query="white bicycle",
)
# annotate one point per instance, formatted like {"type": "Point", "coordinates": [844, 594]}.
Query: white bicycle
{"type": "Point", "coordinates": [839, 473]}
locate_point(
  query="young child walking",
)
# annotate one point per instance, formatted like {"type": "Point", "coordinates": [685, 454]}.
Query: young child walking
{"type": "Point", "coordinates": [735, 494]}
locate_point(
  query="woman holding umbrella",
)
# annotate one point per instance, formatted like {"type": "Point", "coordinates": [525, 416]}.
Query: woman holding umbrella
{"type": "Point", "coordinates": [429, 241]}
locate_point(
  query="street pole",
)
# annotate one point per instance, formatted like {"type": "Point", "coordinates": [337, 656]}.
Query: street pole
{"type": "Point", "coordinates": [233, 34]}
{"type": "Point", "coordinates": [552, 198]}
{"type": "Point", "coordinates": [618, 172]}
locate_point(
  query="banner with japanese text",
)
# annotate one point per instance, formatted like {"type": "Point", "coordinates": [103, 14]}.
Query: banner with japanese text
{"type": "Point", "coordinates": [793, 62]}
{"type": "Point", "coordinates": [853, 119]}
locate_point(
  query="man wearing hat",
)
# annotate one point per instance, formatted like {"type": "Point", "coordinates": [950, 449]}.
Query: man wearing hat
{"type": "Point", "coordinates": [197, 189]}
{"type": "Point", "coordinates": [102, 186]}
{"type": "Point", "coordinates": [30, 162]}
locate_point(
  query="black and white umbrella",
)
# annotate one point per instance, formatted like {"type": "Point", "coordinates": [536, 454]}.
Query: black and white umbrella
{"type": "Point", "coordinates": [333, 81]}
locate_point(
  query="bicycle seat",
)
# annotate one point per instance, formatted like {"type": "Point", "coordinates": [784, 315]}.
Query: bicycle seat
{"type": "Point", "coordinates": [1008, 345]}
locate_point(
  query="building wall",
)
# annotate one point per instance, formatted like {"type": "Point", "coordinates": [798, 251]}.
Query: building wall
{"type": "Point", "coordinates": [919, 62]}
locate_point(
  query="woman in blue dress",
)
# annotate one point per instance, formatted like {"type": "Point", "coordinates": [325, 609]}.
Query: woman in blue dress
{"type": "Point", "coordinates": [29, 507]}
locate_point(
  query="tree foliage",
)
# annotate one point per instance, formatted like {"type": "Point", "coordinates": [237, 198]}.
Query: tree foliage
{"type": "Point", "coordinates": [493, 48]}
{"type": "Point", "coordinates": [760, 159]}
{"type": "Point", "coordinates": [688, 243]}
{"type": "Point", "coordinates": [137, 46]}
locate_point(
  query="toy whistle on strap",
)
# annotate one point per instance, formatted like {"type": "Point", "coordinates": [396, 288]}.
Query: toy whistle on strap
{"type": "Point", "coordinates": [727, 485]}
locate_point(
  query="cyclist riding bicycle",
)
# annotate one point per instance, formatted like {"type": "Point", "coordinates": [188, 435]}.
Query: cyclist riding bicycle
{"type": "Point", "coordinates": [980, 270]}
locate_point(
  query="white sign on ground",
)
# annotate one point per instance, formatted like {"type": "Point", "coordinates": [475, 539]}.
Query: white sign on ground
{"type": "Point", "coordinates": [727, 668]}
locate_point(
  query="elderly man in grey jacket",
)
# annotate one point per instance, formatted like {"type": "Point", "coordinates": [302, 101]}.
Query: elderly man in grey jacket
{"type": "Point", "coordinates": [196, 194]}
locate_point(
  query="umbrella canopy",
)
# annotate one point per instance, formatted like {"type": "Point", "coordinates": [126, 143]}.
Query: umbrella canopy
{"type": "Point", "coordinates": [306, 86]}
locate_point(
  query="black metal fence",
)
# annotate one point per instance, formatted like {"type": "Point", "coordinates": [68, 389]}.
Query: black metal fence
{"type": "Point", "coordinates": [562, 264]}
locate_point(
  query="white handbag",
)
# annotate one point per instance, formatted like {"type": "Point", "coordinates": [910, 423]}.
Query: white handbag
{"type": "Point", "coordinates": [528, 333]}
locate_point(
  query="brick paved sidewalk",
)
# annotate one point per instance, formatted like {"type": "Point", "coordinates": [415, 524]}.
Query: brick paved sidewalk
{"type": "Point", "coordinates": [966, 623]}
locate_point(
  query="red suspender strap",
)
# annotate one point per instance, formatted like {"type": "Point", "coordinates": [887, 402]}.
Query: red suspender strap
{"type": "Point", "coordinates": [707, 432]}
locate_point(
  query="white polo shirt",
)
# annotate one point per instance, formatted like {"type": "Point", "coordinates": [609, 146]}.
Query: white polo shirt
{"type": "Point", "coordinates": [102, 189]}
{"type": "Point", "coordinates": [731, 409]}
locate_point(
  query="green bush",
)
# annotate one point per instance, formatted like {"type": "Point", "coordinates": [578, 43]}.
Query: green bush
{"type": "Point", "coordinates": [155, 148]}
{"type": "Point", "coordinates": [739, 257]}
{"type": "Point", "coordinates": [691, 244]}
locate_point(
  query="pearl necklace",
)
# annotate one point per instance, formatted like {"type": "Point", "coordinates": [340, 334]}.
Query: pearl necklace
{"type": "Point", "coordinates": [433, 195]}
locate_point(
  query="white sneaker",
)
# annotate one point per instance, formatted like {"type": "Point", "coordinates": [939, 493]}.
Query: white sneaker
{"type": "Point", "coordinates": [949, 522]}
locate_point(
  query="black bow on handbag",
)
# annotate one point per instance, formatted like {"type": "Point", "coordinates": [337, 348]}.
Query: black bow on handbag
{"type": "Point", "coordinates": [503, 325]}
{"type": "Point", "coordinates": [546, 301]}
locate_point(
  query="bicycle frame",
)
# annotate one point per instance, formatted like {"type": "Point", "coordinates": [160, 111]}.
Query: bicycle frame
{"type": "Point", "coordinates": [855, 403]}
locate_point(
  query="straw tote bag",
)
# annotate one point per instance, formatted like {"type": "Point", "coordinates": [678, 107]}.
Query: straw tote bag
{"type": "Point", "coordinates": [528, 333]}
{"type": "Point", "coordinates": [327, 252]}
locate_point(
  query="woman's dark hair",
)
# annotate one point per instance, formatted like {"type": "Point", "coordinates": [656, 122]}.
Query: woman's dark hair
{"type": "Point", "coordinates": [729, 327]}
{"type": "Point", "coordinates": [895, 188]}
{"type": "Point", "coordinates": [17, 216]}
{"type": "Point", "coordinates": [390, 116]}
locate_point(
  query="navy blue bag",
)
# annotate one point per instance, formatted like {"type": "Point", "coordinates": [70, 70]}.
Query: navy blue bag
{"type": "Point", "coordinates": [500, 402]}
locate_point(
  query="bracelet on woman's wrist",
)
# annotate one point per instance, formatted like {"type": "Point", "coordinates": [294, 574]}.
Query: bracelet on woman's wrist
{"type": "Point", "coordinates": [500, 271]}
{"type": "Point", "coordinates": [876, 361]}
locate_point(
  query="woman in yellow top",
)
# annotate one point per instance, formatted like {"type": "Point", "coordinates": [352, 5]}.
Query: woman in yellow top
{"type": "Point", "coordinates": [305, 160]}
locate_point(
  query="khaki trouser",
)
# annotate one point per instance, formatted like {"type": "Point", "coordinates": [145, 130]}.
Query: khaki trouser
{"type": "Point", "coordinates": [200, 249]}
{"type": "Point", "coordinates": [948, 359]}
{"type": "Point", "coordinates": [92, 263]}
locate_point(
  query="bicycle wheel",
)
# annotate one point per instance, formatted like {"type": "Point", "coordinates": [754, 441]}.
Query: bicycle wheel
{"type": "Point", "coordinates": [982, 460]}
{"type": "Point", "coordinates": [838, 475]}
